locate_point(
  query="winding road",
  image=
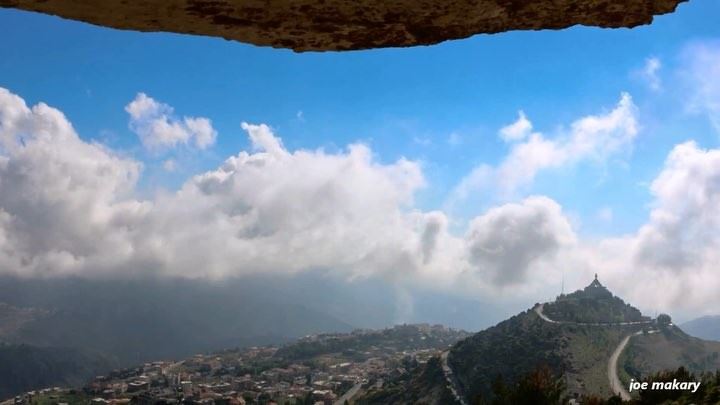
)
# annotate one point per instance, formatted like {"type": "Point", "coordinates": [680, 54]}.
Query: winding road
{"type": "Point", "coordinates": [539, 310]}
{"type": "Point", "coordinates": [616, 385]}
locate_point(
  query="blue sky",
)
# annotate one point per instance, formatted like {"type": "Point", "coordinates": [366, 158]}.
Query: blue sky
{"type": "Point", "coordinates": [402, 102]}
{"type": "Point", "coordinates": [441, 105]}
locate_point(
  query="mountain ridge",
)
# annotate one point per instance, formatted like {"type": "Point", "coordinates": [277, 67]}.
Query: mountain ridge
{"type": "Point", "coordinates": [574, 339]}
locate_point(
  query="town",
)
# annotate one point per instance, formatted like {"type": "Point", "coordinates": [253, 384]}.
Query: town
{"type": "Point", "coordinates": [322, 369]}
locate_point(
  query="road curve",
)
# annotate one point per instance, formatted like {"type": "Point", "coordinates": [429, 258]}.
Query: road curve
{"type": "Point", "coordinates": [539, 311]}
{"type": "Point", "coordinates": [616, 385]}
{"type": "Point", "coordinates": [453, 386]}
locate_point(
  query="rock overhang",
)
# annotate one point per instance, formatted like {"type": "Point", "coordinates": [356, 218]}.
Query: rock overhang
{"type": "Point", "coordinates": [338, 25]}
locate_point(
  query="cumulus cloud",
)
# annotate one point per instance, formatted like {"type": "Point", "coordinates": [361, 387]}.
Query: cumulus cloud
{"type": "Point", "coordinates": [508, 240]}
{"type": "Point", "coordinates": [518, 130]}
{"type": "Point", "coordinates": [684, 223]}
{"type": "Point", "coordinates": [68, 206]}
{"type": "Point", "coordinates": [670, 262]}
{"type": "Point", "coordinates": [154, 122]}
{"type": "Point", "coordinates": [60, 196]}
{"type": "Point", "coordinates": [594, 137]}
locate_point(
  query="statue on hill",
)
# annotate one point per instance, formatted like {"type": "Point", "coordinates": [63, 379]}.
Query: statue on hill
{"type": "Point", "coordinates": [594, 303]}
{"type": "Point", "coordinates": [596, 290]}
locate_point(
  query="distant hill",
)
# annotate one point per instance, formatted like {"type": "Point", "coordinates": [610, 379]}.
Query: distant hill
{"type": "Point", "coordinates": [398, 338]}
{"type": "Point", "coordinates": [668, 350]}
{"type": "Point", "coordinates": [573, 344]}
{"type": "Point", "coordinates": [96, 325]}
{"type": "Point", "coordinates": [706, 327]}
{"type": "Point", "coordinates": [23, 367]}
{"type": "Point", "coordinates": [140, 320]}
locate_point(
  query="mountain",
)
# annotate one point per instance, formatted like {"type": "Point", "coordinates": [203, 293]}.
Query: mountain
{"type": "Point", "coordinates": [706, 327]}
{"type": "Point", "coordinates": [572, 338]}
{"type": "Point", "coordinates": [23, 367]}
{"type": "Point", "coordinates": [67, 329]}
{"type": "Point", "coordinates": [139, 320]}
{"type": "Point", "coordinates": [129, 321]}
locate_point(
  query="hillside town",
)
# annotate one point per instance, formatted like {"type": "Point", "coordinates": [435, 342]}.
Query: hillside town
{"type": "Point", "coordinates": [322, 369]}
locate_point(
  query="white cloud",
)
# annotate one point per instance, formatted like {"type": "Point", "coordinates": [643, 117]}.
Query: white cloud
{"type": "Point", "coordinates": [518, 130]}
{"type": "Point", "coordinates": [508, 240]}
{"type": "Point", "coordinates": [650, 73]}
{"type": "Point", "coordinates": [595, 137]}
{"type": "Point", "coordinates": [158, 128]}
{"type": "Point", "coordinates": [69, 207]}
{"type": "Point", "coordinates": [670, 263]}
{"type": "Point", "coordinates": [684, 223]}
{"type": "Point", "coordinates": [64, 204]}
{"type": "Point", "coordinates": [701, 71]}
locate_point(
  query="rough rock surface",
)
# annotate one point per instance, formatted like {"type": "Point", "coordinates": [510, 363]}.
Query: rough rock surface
{"type": "Point", "coordinates": [323, 25]}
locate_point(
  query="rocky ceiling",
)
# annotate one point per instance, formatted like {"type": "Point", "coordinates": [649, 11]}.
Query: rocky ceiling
{"type": "Point", "coordinates": [335, 25]}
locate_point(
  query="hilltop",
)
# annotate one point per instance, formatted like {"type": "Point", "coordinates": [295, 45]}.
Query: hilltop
{"type": "Point", "coordinates": [572, 339]}
{"type": "Point", "coordinates": [594, 303]}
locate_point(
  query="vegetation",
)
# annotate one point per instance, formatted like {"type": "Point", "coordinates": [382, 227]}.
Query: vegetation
{"type": "Point", "coordinates": [667, 350]}
{"type": "Point", "coordinates": [531, 360]}
{"type": "Point", "coordinates": [71, 398]}
{"type": "Point", "coordinates": [425, 385]}
{"type": "Point", "coordinates": [539, 387]}
{"type": "Point", "coordinates": [399, 338]}
{"type": "Point", "coordinates": [509, 350]}
{"type": "Point", "coordinates": [592, 304]}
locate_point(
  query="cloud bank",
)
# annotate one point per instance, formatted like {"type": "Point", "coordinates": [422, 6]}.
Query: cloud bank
{"type": "Point", "coordinates": [70, 207]}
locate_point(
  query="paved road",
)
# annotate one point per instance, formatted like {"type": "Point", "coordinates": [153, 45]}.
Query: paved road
{"type": "Point", "coordinates": [539, 310]}
{"type": "Point", "coordinates": [348, 395]}
{"type": "Point", "coordinates": [450, 378]}
{"type": "Point", "coordinates": [616, 385]}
